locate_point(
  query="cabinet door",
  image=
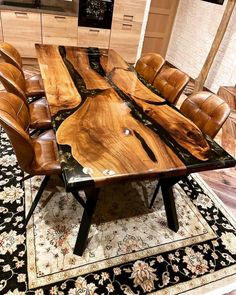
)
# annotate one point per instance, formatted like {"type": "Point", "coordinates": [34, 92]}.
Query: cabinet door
{"type": "Point", "coordinates": [159, 26]}
{"type": "Point", "coordinates": [1, 38]}
{"type": "Point", "coordinates": [91, 37]}
{"type": "Point", "coordinates": [22, 30]}
{"type": "Point", "coordinates": [126, 27]}
{"type": "Point", "coordinates": [59, 29]}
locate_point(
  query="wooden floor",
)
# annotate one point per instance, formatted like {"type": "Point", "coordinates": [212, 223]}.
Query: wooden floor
{"type": "Point", "coordinates": [222, 181]}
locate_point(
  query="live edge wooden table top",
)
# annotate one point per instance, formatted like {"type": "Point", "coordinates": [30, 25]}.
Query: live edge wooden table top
{"type": "Point", "coordinates": [111, 126]}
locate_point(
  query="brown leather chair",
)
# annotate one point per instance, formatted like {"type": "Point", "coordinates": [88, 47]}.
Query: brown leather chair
{"type": "Point", "coordinates": [34, 85]}
{"type": "Point", "coordinates": [35, 156]}
{"type": "Point", "coordinates": [14, 82]}
{"type": "Point", "coordinates": [149, 65]}
{"type": "Point", "coordinates": [38, 156]}
{"type": "Point", "coordinates": [207, 110]}
{"type": "Point", "coordinates": [170, 83]}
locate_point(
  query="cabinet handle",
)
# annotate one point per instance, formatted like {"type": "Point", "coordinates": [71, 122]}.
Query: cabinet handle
{"type": "Point", "coordinates": [127, 27]}
{"type": "Point", "coordinates": [94, 30]}
{"type": "Point", "coordinates": [59, 17]}
{"type": "Point", "coordinates": [127, 17]}
{"type": "Point", "coordinates": [21, 14]}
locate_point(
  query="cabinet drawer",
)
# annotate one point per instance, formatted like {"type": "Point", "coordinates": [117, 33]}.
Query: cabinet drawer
{"type": "Point", "coordinates": [59, 29]}
{"type": "Point", "coordinates": [125, 39]}
{"type": "Point", "coordinates": [126, 28]}
{"type": "Point", "coordinates": [92, 37]}
{"type": "Point", "coordinates": [22, 30]}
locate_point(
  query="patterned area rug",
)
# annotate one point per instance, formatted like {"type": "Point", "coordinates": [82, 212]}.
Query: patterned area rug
{"type": "Point", "coordinates": [130, 250]}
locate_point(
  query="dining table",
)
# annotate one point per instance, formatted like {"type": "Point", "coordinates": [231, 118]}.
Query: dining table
{"type": "Point", "coordinates": [112, 126]}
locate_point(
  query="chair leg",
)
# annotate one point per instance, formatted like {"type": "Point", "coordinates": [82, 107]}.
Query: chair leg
{"type": "Point", "coordinates": [155, 194]}
{"type": "Point", "coordinates": [36, 199]}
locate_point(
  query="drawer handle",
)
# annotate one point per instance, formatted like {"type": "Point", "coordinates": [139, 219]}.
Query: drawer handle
{"type": "Point", "coordinates": [59, 17]}
{"type": "Point", "coordinates": [127, 27]}
{"type": "Point", "coordinates": [127, 17]}
{"type": "Point", "coordinates": [94, 30]}
{"type": "Point", "coordinates": [21, 14]}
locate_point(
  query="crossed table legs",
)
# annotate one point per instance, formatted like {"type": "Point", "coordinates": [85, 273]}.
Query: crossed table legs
{"type": "Point", "coordinates": [166, 185]}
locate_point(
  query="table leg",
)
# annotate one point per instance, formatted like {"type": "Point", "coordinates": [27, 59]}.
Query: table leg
{"type": "Point", "coordinates": [92, 197]}
{"type": "Point", "coordinates": [169, 202]}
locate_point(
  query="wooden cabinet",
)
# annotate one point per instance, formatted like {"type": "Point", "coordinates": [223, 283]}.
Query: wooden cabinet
{"type": "Point", "coordinates": [126, 27]}
{"type": "Point", "coordinates": [159, 26]}
{"type": "Point", "coordinates": [1, 37]}
{"type": "Point", "coordinates": [22, 30]}
{"type": "Point", "coordinates": [93, 37]}
{"type": "Point", "coordinates": [59, 29]}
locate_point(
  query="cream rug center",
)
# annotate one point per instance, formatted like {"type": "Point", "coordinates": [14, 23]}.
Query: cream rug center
{"type": "Point", "coordinates": [123, 229]}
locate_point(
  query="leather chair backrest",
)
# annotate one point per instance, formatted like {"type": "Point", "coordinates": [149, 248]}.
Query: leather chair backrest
{"type": "Point", "coordinates": [14, 118]}
{"type": "Point", "coordinates": [149, 65]}
{"type": "Point", "coordinates": [171, 82]}
{"type": "Point", "coordinates": [10, 55]}
{"type": "Point", "coordinates": [207, 110]}
{"type": "Point", "coordinates": [13, 80]}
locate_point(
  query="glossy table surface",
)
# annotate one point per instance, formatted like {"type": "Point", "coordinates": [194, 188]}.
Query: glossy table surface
{"type": "Point", "coordinates": [110, 125]}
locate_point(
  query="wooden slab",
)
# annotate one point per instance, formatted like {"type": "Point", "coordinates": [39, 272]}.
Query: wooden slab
{"type": "Point", "coordinates": [110, 126]}
{"type": "Point", "coordinates": [59, 87]}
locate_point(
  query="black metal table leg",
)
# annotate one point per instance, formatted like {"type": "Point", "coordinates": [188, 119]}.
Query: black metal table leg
{"type": "Point", "coordinates": [92, 197]}
{"type": "Point", "coordinates": [169, 202]}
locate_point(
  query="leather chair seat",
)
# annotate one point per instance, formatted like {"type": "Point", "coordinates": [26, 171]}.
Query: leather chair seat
{"type": "Point", "coordinates": [39, 114]}
{"type": "Point", "coordinates": [34, 86]}
{"type": "Point", "coordinates": [46, 154]}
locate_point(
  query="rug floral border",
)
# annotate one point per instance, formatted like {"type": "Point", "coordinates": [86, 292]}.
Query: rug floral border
{"type": "Point", "coordinates": [183, 270]}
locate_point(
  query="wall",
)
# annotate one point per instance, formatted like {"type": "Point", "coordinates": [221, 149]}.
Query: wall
{"type": "Point", "coordinates": [195, 26]}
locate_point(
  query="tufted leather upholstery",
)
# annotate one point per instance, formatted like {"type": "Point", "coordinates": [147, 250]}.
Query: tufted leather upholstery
{"type": "Point", "coordinates": [170, 83]}
{"type": "Point", "coordinates": [149, 65]}
{"type": "Point", "coordinates": [14, 82]}
{"type": "Point", "coordinates": [37, 156]}
{"type": "Point", "coordinates": [34, 85]}
{"type": "Point", "coordinates": [207, 110]}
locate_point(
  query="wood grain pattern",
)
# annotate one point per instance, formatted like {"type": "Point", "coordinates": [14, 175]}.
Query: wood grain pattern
{"type": "Point", "coordinates": [80, 61]}
{"type": "Point", "coordinates": [187, 134]}
{"type": "Point", "coordinates": [112, 127]}
{"type": "Point", "coordinates": [222, 181]}
{"type": "Point", "coordinates": [110, 59]}
{"type": "Point", "coordinates": [60, 90]}
{"type": "Point", "coordinates": [105, 144]}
